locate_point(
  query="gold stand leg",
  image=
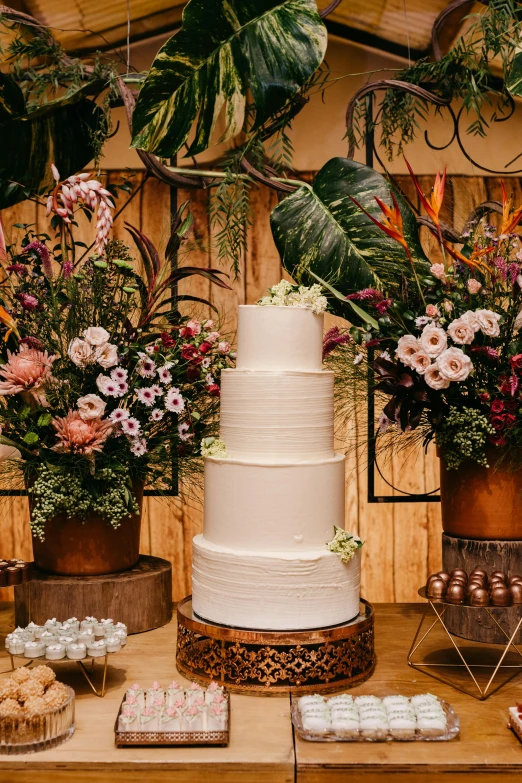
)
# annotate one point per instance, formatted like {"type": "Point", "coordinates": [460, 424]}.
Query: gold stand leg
{"type": "Point", "coordinates": [86, 672]}
{"type": "Point", "coordinates": [483, 692]}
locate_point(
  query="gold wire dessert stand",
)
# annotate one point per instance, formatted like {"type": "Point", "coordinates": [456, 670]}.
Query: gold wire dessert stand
{"type": "Point", "coordinates": [83, 668]}
{"type": "Point", "coordinates": [272, 662]}
{"type": "Point", "coordinates": [478, 691]}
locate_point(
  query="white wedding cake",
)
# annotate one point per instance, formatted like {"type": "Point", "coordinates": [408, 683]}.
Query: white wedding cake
{"type": "Point", "coordinates": [273, 500]}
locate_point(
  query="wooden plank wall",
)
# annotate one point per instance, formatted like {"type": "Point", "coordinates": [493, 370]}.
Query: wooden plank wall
{"type": "Point", "coordinates": [402, 540]}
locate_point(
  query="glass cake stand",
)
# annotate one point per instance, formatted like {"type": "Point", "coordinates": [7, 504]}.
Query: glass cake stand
{"type": "Point", "coordinates": [265, 662]}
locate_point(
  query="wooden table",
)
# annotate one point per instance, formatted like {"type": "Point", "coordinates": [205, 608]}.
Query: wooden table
{"type": "Point", "coordinates": [262, 747]}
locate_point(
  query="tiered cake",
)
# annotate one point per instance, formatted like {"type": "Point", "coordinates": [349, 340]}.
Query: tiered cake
{"type": "Point", "coordinates": [272, 503]}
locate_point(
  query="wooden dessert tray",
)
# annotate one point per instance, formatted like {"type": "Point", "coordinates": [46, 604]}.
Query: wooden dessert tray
{"type": "Point", "coordinates": [124, 739]}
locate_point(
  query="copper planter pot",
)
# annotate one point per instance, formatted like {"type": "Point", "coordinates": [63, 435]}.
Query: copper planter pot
{"type": "Point", "coordinates": [482, 503]}
{"type": "Point", "coordinates": [89, 547]}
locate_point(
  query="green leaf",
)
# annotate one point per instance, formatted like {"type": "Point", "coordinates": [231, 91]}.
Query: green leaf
{"type": "Point", "coordinates": [31, 438]}
{"type": "Point", "coordinates": [62, 134]}
{"type": "Point", "coordinates": [100, 264]}
{"type": "Point", "coordinates": [514, 77]}
{"type": "Point", "coordinates": [44, 420]}
{"type": "Point", "coordinates": [320, 230]}
{"type": "Point", "coordinates": [355, 307]}
{"type": "Point", "coordinates": [224, 48]}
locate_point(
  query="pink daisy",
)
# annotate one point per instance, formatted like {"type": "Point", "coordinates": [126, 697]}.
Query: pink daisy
{"type": "Point", "coordinates": [107, 386]}
{"type": "Point", "coordinates": [174, 402]}
{"type": "Point", "coordinates": [164, 375]}
{"type": "Point", "coordinates": [146, 367]}
{"type": "Point", "coordinates": [119, 374]}
{"type": "Point", "coordinates": [157, 390]}
{"type": "Point", "coordinates": [157, 414]}
{"type": "Point", "coordinates": [146, 396]}
{"type": "Point", "coordinates": [118, 415]}
{"type": "Point", "coordinates": [131, 426]}
{"type": "Point", "coordinates": [183, 430]}
{"type": "Point", "coordinates": [138, 447]}
{"type": "Point", "coordinates": [123, 386]}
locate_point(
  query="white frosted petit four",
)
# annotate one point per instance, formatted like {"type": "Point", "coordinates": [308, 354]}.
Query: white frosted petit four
{"type": "Point", "coordinates": [192, 719]}
{"type": "Point", "coordinates": [13, 637]}
{"type": "Point", "coordinates": [76, 651]}
{"type": "Point", "coordinates": [73, 624]}
{"type": "Point", "coordinates": [121, 635]}
{"type": "Point", "coordinates": [134, 702]}
{"type": "Point", "coordinates": [113, 644]}
{"type": "Point", "coordinates": [67, 639]}
{"type": "Point", "coordinates": [148, 720]}
{"type": "Point", "coordinates": [55, 652]}
{"type": "Point", "coordinates": [154, 693]}
{"type": "Point", "coordinates": [170, 720]}
{"type": "Point", "coordinates": [88, 624]}
{"type": "Point", "coordinates": [212, 689]}
{"type": "Point", "coordinates": [53, 624]}
{"type": "Point", "coordinates": [121, 627]}
{"type": "Point", "coordinates": [17, 646]}
{"type": "Point", "coordinates": [194, 691]}
{"type": "Point", "coordinates": [136, 692]}
{"type": "Point", "coordinates": [99, 630]}
{"type": "Point", "coordinates": [128, 720]}
{"type": "Point", "coordinates": [97, 649]}
{"type": "Point", "coordinates": [174, 691]}
{"type": "Point", "coordinates": [48, 637]}
{"type": "Point", "coordinates": [34, 649]}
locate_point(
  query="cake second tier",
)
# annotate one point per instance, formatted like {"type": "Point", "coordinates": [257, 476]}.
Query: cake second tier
{"type": "Point", "coordinates": [277, 416]}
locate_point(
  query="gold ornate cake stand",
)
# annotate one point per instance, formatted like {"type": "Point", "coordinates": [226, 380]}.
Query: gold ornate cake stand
{"type": "Point", "coordinates": [271, 662]}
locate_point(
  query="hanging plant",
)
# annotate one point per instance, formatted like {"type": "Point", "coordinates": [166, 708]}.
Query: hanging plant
{"type": "Point", "coordinates": [224, 48]}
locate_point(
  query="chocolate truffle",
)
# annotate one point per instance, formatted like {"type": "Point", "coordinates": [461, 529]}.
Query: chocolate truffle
{"type": "Point", "coordinates": [516, 593]}
{"type": "Point", "coordinates": [500, 596]}
{"type": "Point", "coordinates": [435, 588]}
{"type": "Point", "coordinates": [444, 576]}
{"type": "Point", "coordinates": [472, 586]}
{"type": "Point", "coordinates": [500, 574]}
{"type": "Point", "coordinates": [478, 571]}
{"type": "Point", "coordinates": [459, 572]}
{"type": "Point", "coordinates": [515, 579]}
{"type": "Point", "coordinates": [479, 597]}
{"type": "Point", "coordinates": [455, 593]}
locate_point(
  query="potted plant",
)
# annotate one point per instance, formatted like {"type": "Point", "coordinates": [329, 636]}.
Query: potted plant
{"type": "Point", "coordinates": [104, 387]}
{"type": "Point", "coordinates": [444, 354]}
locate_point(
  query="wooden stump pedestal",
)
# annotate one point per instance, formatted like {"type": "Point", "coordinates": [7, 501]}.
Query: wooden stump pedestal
{"type": "Point", "coordinates": [492, 556]}
{"type": "Point", "coordinates": [141, 597]}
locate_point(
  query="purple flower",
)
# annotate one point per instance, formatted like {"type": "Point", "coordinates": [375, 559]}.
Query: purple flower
{"type": "Point", "coordinates": [332, 339]}
{"type": "Point", "coordinates": [68, 267]}
{"type": "Point", "coordinates": [366, 293]}
{"type": "Point", "coordinates": [28, 301]}
{"type": "Point", "coordinates": [19, 269]}
{"type": "Point", "coordinates": [43, 254]}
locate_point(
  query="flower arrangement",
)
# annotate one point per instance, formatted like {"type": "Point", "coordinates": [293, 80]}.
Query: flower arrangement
{"type": "Point", "coordinates": [344, 544]}
{"type": "Point", "coordinates": [104, 385]}
{"type": "Point", "coordinates": [284, 294]}
{"type": "Point", "coordinates": [446, 355]}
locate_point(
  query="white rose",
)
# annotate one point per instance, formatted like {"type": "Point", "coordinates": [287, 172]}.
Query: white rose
{"type": "Point", "coordinates": [433, 340]}
{"type": "Point", "coordinates": [455, 365]}
{"type": "Point", "coordinates": [407, 347]}
{"type": "Point", "coordinates": [434, 378]}
{"type": "Point", "coordinates": [96, 335]}
{"type": "Point", "coordinates": [107, 355]}
{"type": "Point", "coordinates": [471, 319]}
{"type": "Point", "coordinates": [438, 271]}
{"type": "Point", "coordinates": [420, 362]}
{"type": "Point", "coordinates": [91, 407]}
{"type": "Point", "coordinates": [461, 331]}
{"type": "Point", "coordinates": [488, 322]}
{"type": "Point", "coordinates": [80, 352]}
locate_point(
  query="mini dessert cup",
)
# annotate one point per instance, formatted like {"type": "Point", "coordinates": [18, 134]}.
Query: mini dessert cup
{"type": "Point", "coordinates": [34, 649]}
{"type": "Point", "coordinates": [17, 646]}
{"type": "Point", "coordinates": [113, 644]}
{"type": "Point", "coordinates": [170, 720]}
{"type": "Point", "coordinates": [121, 627]}
{"type": "Point", "coordinates": [73, 623]}
{"type": "Point", "coordinates": [99, 630]}
{"type": "Point", "coordinates": [128, 720]}
{"type": "Point", "coordinates": [55, 652]}
{"type": "Point", "coordinates": [67, 639]}
{"type": "Point", "coordinates": [88, 624]}
{"type": "Point", "coordinates": [49, 637]}
{"type": "Point", "coordinates": [148, 720]}
{"type": "Point", "coordinates": [86, 637]}
{"type": "Point", "coordinates": [121, 635]}
{"type": "Point", "coordinates": [53, 624]}
{"type": "Point", "coordinates": [97, 649]}
{"type": "Point", "coordinates": [76, 651]}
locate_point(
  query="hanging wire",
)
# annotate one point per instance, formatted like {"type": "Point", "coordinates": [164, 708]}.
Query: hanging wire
{"type": "Point", "coordinates": [407, 31]}
{"type": "Point", "coordinates": [127, 4]}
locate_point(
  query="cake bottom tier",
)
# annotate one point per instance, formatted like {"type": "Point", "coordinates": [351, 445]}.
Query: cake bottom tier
{"type": "Point", "coordinates": [271, 591]}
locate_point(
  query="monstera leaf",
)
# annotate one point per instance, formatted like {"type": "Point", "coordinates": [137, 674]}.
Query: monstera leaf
{"type": "Point", "coordinates": [224, 48]}
{"type": "Point", "coordinates": [60, 133]}
{"type": "Point", "coordinates": [321, 233]}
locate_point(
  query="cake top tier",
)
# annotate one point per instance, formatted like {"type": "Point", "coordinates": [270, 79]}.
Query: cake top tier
{"type": "Point", "coordinates": [279, 338]}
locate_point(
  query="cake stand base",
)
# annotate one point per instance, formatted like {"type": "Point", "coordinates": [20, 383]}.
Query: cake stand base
{"type": "Point", "coordinates": [272, 662]}
{"type": "Point", "coordinates": [141, 597]}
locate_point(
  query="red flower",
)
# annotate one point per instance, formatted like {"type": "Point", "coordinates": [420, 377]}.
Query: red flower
{"type": "Point", "coordinates": [188, 352]}
{"type": "Point", "coordinates": [510, 405]}
{"type": "Point", "coordinates": [497, 422]}
{"type": "Point", "coordinates": [484, 397]}
{"type": "Point", "coordinates": [214, 390]}
{"type": "Point", "coordinates": [509, 420]}
{"type": "Point", "coordinates": [28, 301]}
{"type": "Point", "coordinates": [509, 385]}
{"type": "Point", "coordinates": [497, 406]}
{"type": "Point", "coordinates": [497, 439]}
{"type": "Point", "coordinates": [516, 362]}
{"type": "Point", "coordinates": [193, 372]}
{"type": "Point", "coordinates": [205, 347]}
{"type": "Point", "coordinates": [167, 340]}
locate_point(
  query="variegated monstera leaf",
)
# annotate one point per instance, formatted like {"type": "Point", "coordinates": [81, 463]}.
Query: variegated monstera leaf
{"type": "Point", "coordinates": [225, 47]}
{"type": "Point", "coordinates": [60, 132]}
{"type": "Point", "coordinates": [321, 234]}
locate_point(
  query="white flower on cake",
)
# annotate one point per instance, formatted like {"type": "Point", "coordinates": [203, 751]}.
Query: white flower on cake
{"type": "Point", "coordinates": [213, 447]}
{"type": "Point", "coordinates": [285, 294]}
{"type": "Point", "coordinates": [344, 544]}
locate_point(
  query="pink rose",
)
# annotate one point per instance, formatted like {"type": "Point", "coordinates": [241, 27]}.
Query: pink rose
{"type": "Point", "coordinates": [438, 271]}
{"type": "Point", "coordinates": [432, 311]}
{"type": "Point", "coordinates": [224, 347]}
{"type": "Point", "coordinates": [473, 286]}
